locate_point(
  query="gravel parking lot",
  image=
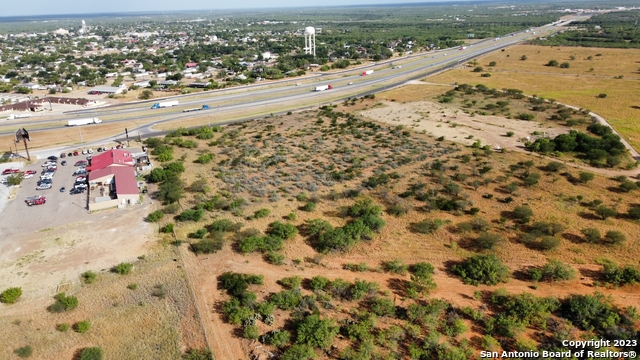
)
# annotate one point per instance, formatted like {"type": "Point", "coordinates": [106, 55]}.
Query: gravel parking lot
{"type": "Point", "coordinates": [61, 207]}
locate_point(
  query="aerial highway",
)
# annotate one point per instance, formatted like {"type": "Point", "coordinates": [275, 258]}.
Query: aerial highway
{"type": "Point", "coordinates": [292, 94]}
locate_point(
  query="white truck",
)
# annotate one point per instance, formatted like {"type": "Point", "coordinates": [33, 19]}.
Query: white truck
{"type": "Point", "coordinates": [88, 121]}
{"type": "Point", "coordinates": [368, 72]}
{"type": "Point", "coordinates": [323, 87]}
{"type": "Point", "coordinates": [165, 104]}
{"type": "Point", "coordinates": [19, 116]}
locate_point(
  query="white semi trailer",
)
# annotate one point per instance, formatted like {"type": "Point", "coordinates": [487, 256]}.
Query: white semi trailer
{"type": "Point", "coordinates": [88, 121]}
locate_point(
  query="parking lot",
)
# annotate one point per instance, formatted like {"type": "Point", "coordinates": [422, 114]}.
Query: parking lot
{"type": "Point", "coordinates": [60, 207]}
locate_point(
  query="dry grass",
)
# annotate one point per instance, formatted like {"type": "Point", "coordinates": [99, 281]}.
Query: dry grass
{"type": "Point", "coordinates": [577, 85]}
{"type": "Point", "coordinates": [127, 324]}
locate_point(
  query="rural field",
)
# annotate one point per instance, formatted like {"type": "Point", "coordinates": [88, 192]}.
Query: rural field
{"type": "Point", "coordinates": [357, 229]}
{"type": "Point", "coordinates": [591, 72]}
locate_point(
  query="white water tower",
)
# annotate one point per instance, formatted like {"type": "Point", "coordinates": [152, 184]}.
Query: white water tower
{"type": "Point", "coordinates": [310, 40]}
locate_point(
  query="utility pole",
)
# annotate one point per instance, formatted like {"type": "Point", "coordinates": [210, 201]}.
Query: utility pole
{"type": "Point", "coordinates": [23, 134]}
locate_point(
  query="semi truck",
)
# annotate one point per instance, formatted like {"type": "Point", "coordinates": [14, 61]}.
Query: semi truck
{"type": "Point", "coordinates": [165, 104]}
{"type": "Point", "coordinates": [19, 116]}
{"type": "Point", "coordinates": [36, 200]}
{"type": "Point", "coordinates": [204, 107]}
{"type": "Point", "coordinates": [88, 121]}
{"type": "Point", "coordinates": [368, 72]}
{"type": "Point", "coordinates": [323, 87]}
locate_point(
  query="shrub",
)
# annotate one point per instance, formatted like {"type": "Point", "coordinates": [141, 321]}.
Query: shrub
{"type": "Point", "coordinates": [224, 225]}
{"type": "Point", "coordinates": [190, 215]}
{"type": "Point", "coordinates": [207, 246]}
{"type": "Point", "coordinates": [590, 312]}
{"type": "Point", "coordinates": [554, 166]}
{"type": "Point", "coordinates": [82, 326]}
{"type": "Point", "coordinates": [591, 235]}
{"type": "Point", "coordinates": [92, 353]}
{"type": "Point", "coordinates": [319, 282]}
{"type": "Point", "coordinates": [11, 295]}
{"type": "Point", "coordinates": [549, 243]}
{"type": "Point", "coordinates": [602, 95]}
{"type": "Point", "coordinates": [62, 327]}
{"type": "Point", "coordinates": [396, 266]}
{"type": "Point", "coordinates": [89, 277]}
{"type": "Point", "coordinates": [482, 269]}
{"type": "Point", "coordinates": [281, 230]}
{"type": "Point", "coordinates": [552, 63]}
{"type": "Point", "coordinates": [251, 332]}
{"type": "Point", "coordinates": [555, 270]}
{"type": "Point", "coordinates": [277, 338]}
{"type": "Point", "coordinates": [24, 352]}
{"type": "Point", "coordinates": [261, 213]}
{"type": "Point", "coordinates": [428, 226]}
{"type": "Point", "coordinates": [123, 268]}
{"type": "Point", "coordinates": [382, 306]}
{"type": "Point", "coordinates": [291, 216]}
{"type": "Point", "coordinates": [292, 282]}
{"type": "Point", "coordinates": [198, 234]}
{"type": "Point", "coordinates": [605, 212]}
{"type": "Point", "coordinates": [614, 237]}
{"type": "Point", "coordinates": [155, 216]}
{"type": "Point", "coordinates": [316, 332]}
{"type": "Point", "coordinates": [204, 158]}
{"type": "Point", "coordinates": [299, 351]}
{"type": "Point", "coordinates": [522, 213]}
{"type": "Point", "coordinates": [167, 229]}
{"type": "Point", "coordinates": [63, 303]}
{"type": "Point", "coordinates": [525, 116]}
{"type": "Point", "coordinates": [478, 69]}
{"type": "Point", "coordinates": [309, 206]}
{"type": "Point", "coordinates": [510, 133]}
{"type": "Point", "coordinates": [274, 258]}
{"type": "Point", "coordinates": [487, 240]}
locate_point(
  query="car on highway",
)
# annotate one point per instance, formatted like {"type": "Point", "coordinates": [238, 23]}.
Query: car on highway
{"type": "Point", "coordinates": [350, 83]}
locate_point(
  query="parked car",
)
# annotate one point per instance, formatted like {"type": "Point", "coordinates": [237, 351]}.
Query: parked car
{"type": "Point", "coordinates": [27, 176]}
{"type": "Point", "coordinates": [43, 187]}
{"type": "Point", "coordinates": [84, 152]}
{"type": "Point", "coordinates": [80, 163]}
{"type": "Point", "coordinates": [80, 172]}
{"type": "Point", "coordinates": [99, 149]}
{"type": "Point", "coordinates": [90, 151]}
{"type": "Point", "coordinates": [49, 163]}
{"type": "Point", "coordinates": [63, 163]}
{"type": "Point", "coordinates": [75, 191]}
{"type": "Point", "coordinates": [30, 172]}
{"type": "Point", "coordinates": [52, 158]}
{"type": "Point", "coordinates": [63, 189]}
{"type": "Point", "coordinates": [80, 186]}
{"type": "Point", "coordinates": [75, 153]}
{"type": "Point", "coordinates": [70, 154]}
{"type": "Point", "coordinates": [63, 155]}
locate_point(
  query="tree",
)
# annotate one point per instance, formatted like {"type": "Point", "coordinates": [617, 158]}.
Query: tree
{"type": "Point", "coordinates": [614, 237]}
{"type": "Point", "coordinates": [316, 332]}
{"type": "Point", "coordinates": [299, 351]}
{"type": "Point", "coordinates": [11, 295]}
{"type": "Point", "coordinates": [523, 57]}
{"type": "Point", "coordinates": [14, 180]}
{"type": "Point", "coordinates": [478, 69]}
{"type": "Point", "coordinates": [493, 63]}
{"type": "Point", "coordinates": [146, 94]}
{"type": "Point", "coordinates": [628, 186]}
{"type": "Point", "coordinates": [585, 177]}
{"type": "Point", "coordinates": [552, 63]}
{"type": "Point", "coordinates": [487, 240]}
{"type": "Point", "coordinates": [92, 353]}
{"type": "Point", "coordinates": [482, 269]}
{"type": "Point", "coordinates": [565, 65]}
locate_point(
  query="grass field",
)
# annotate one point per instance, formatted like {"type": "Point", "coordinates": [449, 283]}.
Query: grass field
{"type": "Point", "coordinates": [577, 85]}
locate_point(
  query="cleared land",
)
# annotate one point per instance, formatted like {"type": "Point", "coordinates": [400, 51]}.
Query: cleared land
{"type": "Point", "coordinates": [579, 85]}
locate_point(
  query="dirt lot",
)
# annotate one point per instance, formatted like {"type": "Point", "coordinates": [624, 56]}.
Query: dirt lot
{"type": "Point", "coordinates": [439, 120]}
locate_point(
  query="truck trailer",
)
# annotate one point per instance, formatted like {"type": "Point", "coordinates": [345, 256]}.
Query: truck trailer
{"type": "Point", "coordinates": [323, 87]}
{"type": "Point", "coordinates": [18, 116]}
{"type": "Point", "coordinates": [368, 72]}
{"type": "Point", "coordinates": [204, 107]}
{"type": "Point", "coordinates": [165, 104]}
{"type": "Point", "coordinates": [88, 121]}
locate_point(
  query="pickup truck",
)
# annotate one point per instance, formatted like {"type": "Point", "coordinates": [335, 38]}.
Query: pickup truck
{"type": "Point", "coordinates": [36, 200]}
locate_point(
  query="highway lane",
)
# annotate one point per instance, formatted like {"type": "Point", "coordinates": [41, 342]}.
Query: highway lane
{"type": "Point", "coordinates": [418, 66]}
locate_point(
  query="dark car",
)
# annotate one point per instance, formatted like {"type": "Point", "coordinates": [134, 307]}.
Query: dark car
{"type": "Point", "coordinates": [99, 149]}
{"type": "Point", "coordinates": [63, 155]}
{"type": "Point", "coordinates": [52, 158]}
{"type": "Point", "coordinates": [63, 163]}
{"type": "Point", "coordinates": [75, 191]}
{"type": "Point", "coordinates": [63, 189]}
{"type": "Point", "coordinates": [70, 154]}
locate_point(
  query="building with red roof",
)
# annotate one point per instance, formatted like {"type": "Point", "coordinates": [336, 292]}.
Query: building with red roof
{"type": "Point", "coordinates": [112, 180]}
{"type": "Point", "coordinates": [190, 65]}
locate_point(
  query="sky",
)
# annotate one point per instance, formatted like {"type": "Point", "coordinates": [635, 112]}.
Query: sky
{"type": "Point", "coordinates": [46, 7]}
